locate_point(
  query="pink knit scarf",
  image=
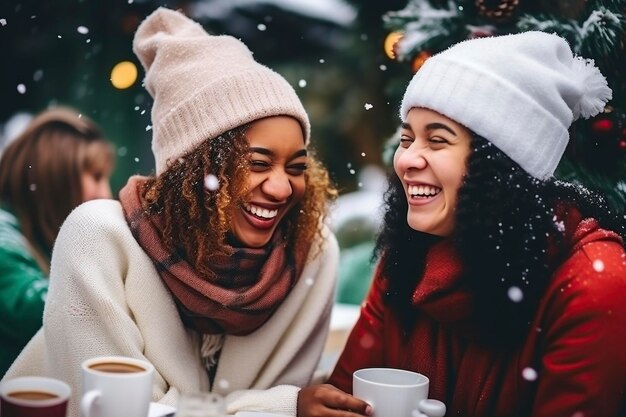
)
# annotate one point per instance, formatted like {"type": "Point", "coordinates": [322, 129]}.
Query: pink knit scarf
{"type": "Point", "coordinates": [247, 288]}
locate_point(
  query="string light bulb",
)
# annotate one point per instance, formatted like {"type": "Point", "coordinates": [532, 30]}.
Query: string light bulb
{"type": "Point", "coordinates": [390, 42]}
{"type": "Point", "coordinates": [123, 75]}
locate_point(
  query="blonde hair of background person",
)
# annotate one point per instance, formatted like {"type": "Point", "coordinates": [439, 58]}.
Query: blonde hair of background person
{"type": "Point", "coordinates": [219, 269]}
{"type": "Point", "coordinates": [59, 161]}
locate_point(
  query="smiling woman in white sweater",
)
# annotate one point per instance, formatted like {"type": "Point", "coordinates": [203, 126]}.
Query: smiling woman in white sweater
{"type": "Point", "coordinates": [218, 270]}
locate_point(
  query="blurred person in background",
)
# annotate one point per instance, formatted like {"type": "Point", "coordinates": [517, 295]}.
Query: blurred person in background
{"type": "Point", "coordinates": [59, 161]}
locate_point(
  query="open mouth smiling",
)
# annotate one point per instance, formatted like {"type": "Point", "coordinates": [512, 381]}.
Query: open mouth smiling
{"type": "Point", "coordinates": [260, 212]}
{"type": "Point", "coordinates": [423, 191]}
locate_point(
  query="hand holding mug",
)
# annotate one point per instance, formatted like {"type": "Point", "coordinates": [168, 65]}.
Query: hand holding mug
{"type": "Point", "coordinates": [396, 393]}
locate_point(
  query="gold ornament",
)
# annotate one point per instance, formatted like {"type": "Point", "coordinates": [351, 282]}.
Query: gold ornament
{"type": "Point", "coordinates": [502, 11]}
{"type": "Point", "coordinates": [419, 60]}
{"type": "Point", "coordinates": [571, 9]}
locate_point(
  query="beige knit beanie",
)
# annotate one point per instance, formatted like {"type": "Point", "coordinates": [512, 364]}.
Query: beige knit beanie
{"type": "Point", "coordinates": [204, 85]}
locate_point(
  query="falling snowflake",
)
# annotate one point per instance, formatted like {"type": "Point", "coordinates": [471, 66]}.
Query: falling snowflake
{"type": "Point", "coordinates": [82, 30]}
{"type": "Point", "coordinates": [3, 22]}
{"type": "Point", "coordinates": [598, 265]}
{"type": "Point", "coordinates": [383, 67]}
{"type": "Point", "coordinates": [261, 27]}
{"type": "Point", "coordinates": [136, 159]}
{"type": "Point", "coordinates": [322, 61]}
{"type": "Point", "coordinates": [515, 294]}
{"type": "Point", "coordinates": [224, 384]}
{"type": "Point", "coordinates": [368, 106]}
{"type": "Point", "coordinates": [362, 153]}
{"type": "Point", "coordinates": [211, 182]}
{"type": "Point", "coordinates": [529, 374]}
{"type": "Point", "coordinates": [302, 83]}
{"type": "Point", "coordinates": [33, 187]}
{"type": "Point", "coordinates": [21, 88]}
{"type": "Point", "coordinates": [309, 282]}
{"type": "Point", "coordinates": [560, 226]}
{"type": "Point", "coordinates": [367, 341]}
{"type": "Point", "coordinates": [149, 127]}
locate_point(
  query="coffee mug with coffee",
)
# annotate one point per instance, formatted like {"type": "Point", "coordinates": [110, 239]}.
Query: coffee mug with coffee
{"type": "Point", "coordinates": [395, 393]}
{"type": "Point", "coordinates": [116, 386]}
{"type": "Point", "coordinates": [34, 396]}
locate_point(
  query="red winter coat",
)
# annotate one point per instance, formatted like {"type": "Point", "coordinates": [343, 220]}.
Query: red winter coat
{"type": "Point", "coordinates": [572, 362]}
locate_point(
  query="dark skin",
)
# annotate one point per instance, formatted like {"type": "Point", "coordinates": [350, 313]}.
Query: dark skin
{"type": "Point", "coordinates": [327, 401]}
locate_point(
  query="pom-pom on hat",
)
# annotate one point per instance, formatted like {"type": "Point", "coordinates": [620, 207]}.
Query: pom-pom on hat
{"type": "Point", "coordinates": [204, 85]}
{"type": "Point", "coordinates": [521, 92]}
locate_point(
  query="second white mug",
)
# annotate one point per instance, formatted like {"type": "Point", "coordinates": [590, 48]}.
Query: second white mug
{"type": "Point", "coordinates": [115, 386]}
{"type": "Point", "coordinates": [395, 393]}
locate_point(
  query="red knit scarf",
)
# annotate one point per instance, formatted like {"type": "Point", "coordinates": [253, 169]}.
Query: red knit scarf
{"type": "Point", "coordinates": [247, 288]}
{"type": "Point", "coordinates": [478, 372]}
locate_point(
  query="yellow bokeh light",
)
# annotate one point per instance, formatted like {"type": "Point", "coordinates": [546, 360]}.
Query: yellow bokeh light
{"type": "Point", "coordinates": [123, 75]}
{"type": "Point", "coordinates": [390, 42]}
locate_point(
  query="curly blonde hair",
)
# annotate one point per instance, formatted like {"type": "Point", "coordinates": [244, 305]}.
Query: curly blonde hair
{"type": "Point", "coordinates": [196, 220]}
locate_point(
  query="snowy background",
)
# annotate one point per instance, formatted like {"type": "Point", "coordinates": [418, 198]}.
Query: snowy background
{"type": "Point", "coordinates": [64, 52]}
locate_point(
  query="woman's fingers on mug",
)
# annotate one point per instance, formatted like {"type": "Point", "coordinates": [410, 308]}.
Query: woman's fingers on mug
{"type": "Point", "coordinates": [342, 401]}
{"type": "Point", "coordinates": [326, 400]}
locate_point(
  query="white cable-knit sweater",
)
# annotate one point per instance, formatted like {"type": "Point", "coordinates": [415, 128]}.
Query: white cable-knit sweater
{"type": "Point", "coordinates": [106, 298]}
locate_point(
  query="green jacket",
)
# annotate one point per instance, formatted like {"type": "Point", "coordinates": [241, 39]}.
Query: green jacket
{"type": "Point", "coordinates": [23, 289]}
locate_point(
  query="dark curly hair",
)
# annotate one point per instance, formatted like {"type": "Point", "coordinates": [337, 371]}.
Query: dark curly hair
{"type": "Point", "coordinates": [503, 220]}
{"type": "Point", "coordinates": [197, 220]}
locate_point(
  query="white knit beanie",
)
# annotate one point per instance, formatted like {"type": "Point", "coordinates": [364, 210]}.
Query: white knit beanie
{"type": "Point", "coordinates": [521, 92]}
{"type": "Point", "coordinates": [204, 85]}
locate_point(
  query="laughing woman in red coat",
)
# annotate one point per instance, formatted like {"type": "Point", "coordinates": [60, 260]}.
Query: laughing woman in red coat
{"type": "Point", "coordinates": [503, 285]}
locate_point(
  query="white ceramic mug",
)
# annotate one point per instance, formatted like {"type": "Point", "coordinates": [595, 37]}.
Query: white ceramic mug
{"type": "Point", "coordinates": [395, 393]}
{"type": "Point", "coordinates": [115, 386]}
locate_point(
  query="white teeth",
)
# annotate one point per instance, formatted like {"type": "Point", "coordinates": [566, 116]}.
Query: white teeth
{"type": "Point", "coordinates": [423, 190]}
{"type": "Point", "coordinates": [260, 211]}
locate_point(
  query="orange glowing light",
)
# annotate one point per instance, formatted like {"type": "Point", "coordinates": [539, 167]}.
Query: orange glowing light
{"type": "Point", "coordinates": [419, 60]}
{"type": "Point", "coordinates": [123, 75]}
